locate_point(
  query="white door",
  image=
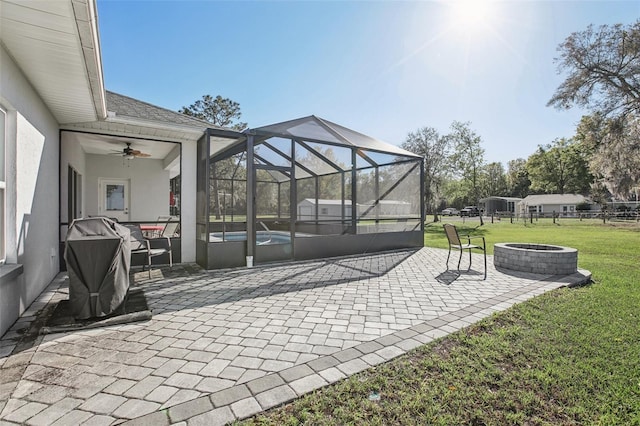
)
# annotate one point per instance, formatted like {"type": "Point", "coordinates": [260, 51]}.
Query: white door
{"type": "Point", "coordinates": [114, 198]}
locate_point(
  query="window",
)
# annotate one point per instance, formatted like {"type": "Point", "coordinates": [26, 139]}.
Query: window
{"type": "Point", "coordinates": [3, 186]}
{"type": "Point", "coordinates": [324, 211]}
{"type": "Point", "coordinates": [74, 202]}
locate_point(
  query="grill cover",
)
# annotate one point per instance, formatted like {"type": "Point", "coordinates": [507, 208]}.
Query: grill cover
{"type": "Point", "coordinates": [98, 257]}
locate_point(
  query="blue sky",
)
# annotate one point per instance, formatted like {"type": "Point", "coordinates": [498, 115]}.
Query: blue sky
{"type": "Point", "coordinates": [384, 68]}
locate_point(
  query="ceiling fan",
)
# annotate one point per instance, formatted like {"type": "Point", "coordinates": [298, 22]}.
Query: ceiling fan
{"type": "Point", "coordinates": [130, 153]}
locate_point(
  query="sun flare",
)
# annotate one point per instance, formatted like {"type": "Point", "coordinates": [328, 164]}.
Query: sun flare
{"type": "Point", "coordinates": [471, 16]}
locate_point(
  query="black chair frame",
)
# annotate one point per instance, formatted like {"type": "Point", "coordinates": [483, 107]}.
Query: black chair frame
{"type": "Point", "coordinates": [456, 243]}
{"type": "Point", "coordinates": [149, 247]}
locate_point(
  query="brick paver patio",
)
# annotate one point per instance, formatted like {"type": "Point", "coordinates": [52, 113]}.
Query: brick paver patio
{"type": "Point", "coordinates": [224, 345]}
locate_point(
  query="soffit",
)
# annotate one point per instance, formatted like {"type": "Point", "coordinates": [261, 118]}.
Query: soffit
{"type": "Point", "coordinates": [55, 44]}
{"type": "Point", "coordinates": [139, 129]}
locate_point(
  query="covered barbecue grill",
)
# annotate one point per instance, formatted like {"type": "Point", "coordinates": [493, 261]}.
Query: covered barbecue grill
{"type": "Point", "coordinates": [98, 257]}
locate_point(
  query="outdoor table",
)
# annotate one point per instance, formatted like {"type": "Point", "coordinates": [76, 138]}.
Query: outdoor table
{"type": "Point", "coordinates": [152, 229]}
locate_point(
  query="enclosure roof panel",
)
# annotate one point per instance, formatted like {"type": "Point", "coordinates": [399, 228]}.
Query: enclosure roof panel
{"type": "Point", "coordinates": [318, 129]}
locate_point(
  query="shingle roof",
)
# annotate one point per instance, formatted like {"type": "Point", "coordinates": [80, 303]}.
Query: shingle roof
{"type": "Point", "coordinates": [501, 198]}
{"type": "Point", "coordinates": [133, 108]}
{"type": "Point", "coordinates": [328, 202]}
{"type": "Point", "coordinates": [554, 199]}
{"type": "Point", "coordinates": [348, 202]}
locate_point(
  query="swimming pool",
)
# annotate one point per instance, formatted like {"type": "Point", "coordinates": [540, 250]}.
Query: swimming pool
{"type": "Point", "coordinates": [262, 237]}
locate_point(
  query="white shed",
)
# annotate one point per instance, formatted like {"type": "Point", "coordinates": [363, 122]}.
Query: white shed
{"type": "Point", "coordinates": [327, 209]}
{"type": "Point", "coordinates": [546, 204]}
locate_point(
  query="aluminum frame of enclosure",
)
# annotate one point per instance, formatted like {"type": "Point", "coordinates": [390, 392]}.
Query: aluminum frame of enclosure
{"type": "Point", "coordinates": [284, 162]}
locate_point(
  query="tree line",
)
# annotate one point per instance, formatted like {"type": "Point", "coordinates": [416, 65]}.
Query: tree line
{"type": "Point", "coordinates": [601, 160]}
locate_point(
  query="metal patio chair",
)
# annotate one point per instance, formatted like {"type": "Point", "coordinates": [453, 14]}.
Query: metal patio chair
{"type": "Point", "coordinates": [455, 243]}
{"type": "Point", "coordinates": [149, 247]}
{"type": "Point", "coordinates": [160, 223]}
{"type": "Point", "coordinates": [171, 229]}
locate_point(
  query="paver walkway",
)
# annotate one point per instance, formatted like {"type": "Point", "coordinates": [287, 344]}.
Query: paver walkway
{"type": "Point", "coordinates": [224, 345]}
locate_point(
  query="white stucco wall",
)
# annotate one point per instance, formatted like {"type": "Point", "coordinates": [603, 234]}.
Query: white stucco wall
{"type": "Point", "coordinates": [149, 185]}
{"type": "Point", "coordinates": [149, 181]}
{"type": "Point", "coordinates": [32, 189]}
{"type": "Point", "coordinates": [188, 201]}
{"type": "Point", "coordinates": [71, 155]}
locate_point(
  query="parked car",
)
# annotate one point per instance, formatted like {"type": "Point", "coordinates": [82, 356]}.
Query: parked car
{"type": "Point", "coordinates": [450, 211]}
{"type": "Point", "coordinates": [470, 211]}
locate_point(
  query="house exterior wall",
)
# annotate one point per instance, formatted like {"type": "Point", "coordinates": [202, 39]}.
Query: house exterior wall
{"type": "Point", "coordinates": [32, 152]}
{"type": "Point", "coordinates": [502, 205]}
{"type": "Point", "coordinates": [188, 192]}
{"type": "Point", "coordinates": [74, 156]}
{"type": "Point", "coordinates": [307, 210]}
{"type": "Point", "coordinates": [148, 183]}
{"type": "Point", "coordinates": [494, 205]}
{"type": "Point", "coordinates": [559, 208]}
{"type": "Point", "coordinates": [548, 209]}
{"type": "Point", "coordinates": [330, 211]}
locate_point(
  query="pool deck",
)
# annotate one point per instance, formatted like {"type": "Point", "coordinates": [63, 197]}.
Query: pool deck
{"type": "Point", "coordinates": [225, 345]}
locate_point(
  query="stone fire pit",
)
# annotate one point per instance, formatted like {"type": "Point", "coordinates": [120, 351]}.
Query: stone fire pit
{"type": "Point", "coordinates": [536, 258]}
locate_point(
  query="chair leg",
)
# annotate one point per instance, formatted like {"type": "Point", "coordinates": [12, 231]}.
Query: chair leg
{"type": "Point", "coordinates": [469, 268]}
{"type": "Point", "coordinates": [449, 254]}
{"type": "Point", "coordinates": [460, 259]}
{"type": "Point", "coordinates": [149, 263]}
{"type": "Point", "coordinates": [485, 264]}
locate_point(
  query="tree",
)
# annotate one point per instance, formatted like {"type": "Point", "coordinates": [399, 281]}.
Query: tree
{"type": "Point", "coordinates": [518, 182]}
{"type": "Point", "coordinates": [494, 180]}
{"type": "Point", "coordinates": [219, 111]}
{"type": "Point", "coordinates": [603, 65]}
{"type": "Point", "coordinates": [435, 150]}
{"type": "Point", "coordinates": [467, 158]}
{"type": "Point", "coordinates": [226, 192]}
{"type": "Point", "coordinates": [560, 168]}
{"type": "Point", "coordinates": [614, 147]}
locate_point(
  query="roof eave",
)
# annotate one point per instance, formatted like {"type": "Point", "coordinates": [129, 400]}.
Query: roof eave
{"type": "Point", "coordinates": [121, 119]}
{"type": "Point", "coordinates": [55, 44]}
{"type": "Point", "coordinates": [90, 41]}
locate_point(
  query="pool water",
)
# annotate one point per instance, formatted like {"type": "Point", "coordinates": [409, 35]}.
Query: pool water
{"type": "Point", "coordinates": [262, 237]}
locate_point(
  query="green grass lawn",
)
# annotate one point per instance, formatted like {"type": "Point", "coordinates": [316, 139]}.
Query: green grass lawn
{"type": "Point", "coordinates": [568, 357]}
